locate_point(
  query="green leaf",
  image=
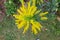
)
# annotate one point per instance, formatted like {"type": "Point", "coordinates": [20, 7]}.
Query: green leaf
{"type": "Point", "coordinates": [21, 1]}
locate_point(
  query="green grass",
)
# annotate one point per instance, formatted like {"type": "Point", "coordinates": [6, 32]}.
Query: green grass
{"type": "Point", "coordinates": [9, 31]}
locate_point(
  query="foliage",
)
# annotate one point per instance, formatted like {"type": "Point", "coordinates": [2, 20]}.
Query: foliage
{"type": "Point", "coordinates": [10, 7]}
{"type": "Point", "coordinates": [45, 5]}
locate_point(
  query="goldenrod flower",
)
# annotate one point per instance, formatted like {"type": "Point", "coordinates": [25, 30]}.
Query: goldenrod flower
{"type": "Point", "coordinates": [25, 17]}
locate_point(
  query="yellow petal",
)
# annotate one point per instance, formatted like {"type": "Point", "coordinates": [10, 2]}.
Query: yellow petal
{"type": "Point", "coordinates": [26, 27]}
{"type": "Point", "coordinates": [34, 30]}
{"type": "Point", "coordinates": [37, 25]}
{"type": "Point", "coordinates": [28, 5]}
{"type": "Point", "coordinates": [19, 17]}
{"type": "Point", "coordinates": [23, 10]}
{"type": "Point", "coordinates": [16, 16]}
{"type": "Point", "coordinates": [20, 12]}
{"type": "Point", "coordinates": [37, 11]}
{"type": "Point", "coordinates": [17, 21]}
{"type": "Point", "coordinates": [21, 25]}
{"type": "Point", "coordinates": [22, 3]}
{"type": "Point", "coordinates": [42, 14]}
{"type": "Point", "coordinates": [44, 18]}
{"type": "Point", "coordinates": [34, 1]}
{"type": "Point", "coordinates": [33, 10]}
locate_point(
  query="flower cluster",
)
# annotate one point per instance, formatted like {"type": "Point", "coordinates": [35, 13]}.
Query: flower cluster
{"type": "Point", "coordinates": [25, 17]}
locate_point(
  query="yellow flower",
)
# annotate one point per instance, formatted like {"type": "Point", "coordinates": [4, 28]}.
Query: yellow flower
{"type": "Point", "coordinates": [25, 17]}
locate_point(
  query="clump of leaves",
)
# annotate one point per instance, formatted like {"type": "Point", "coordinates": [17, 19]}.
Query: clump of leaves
{"type": "Point", "coordinates": [10, 7]}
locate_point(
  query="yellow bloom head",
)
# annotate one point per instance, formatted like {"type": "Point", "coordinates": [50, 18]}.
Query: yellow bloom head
{"type": "Point", "coordinates": [25, 17]}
